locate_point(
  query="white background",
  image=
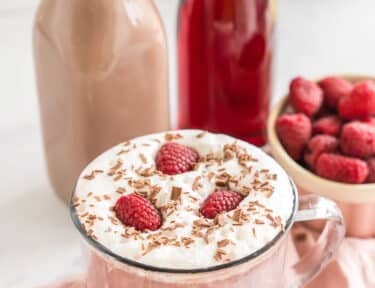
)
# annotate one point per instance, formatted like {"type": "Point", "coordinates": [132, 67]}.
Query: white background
{"type": "Point", "coordinates": [37, 240]}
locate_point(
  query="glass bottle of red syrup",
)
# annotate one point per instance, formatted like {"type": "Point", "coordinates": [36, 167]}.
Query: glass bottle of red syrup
{"type": "Point", "coordinates": [225, 52]}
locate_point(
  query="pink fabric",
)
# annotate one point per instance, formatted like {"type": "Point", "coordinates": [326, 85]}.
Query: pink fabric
{"type": "Point", "coordinates": [353, 267]}
{"type": "Point", "coordinates": [76, 282]}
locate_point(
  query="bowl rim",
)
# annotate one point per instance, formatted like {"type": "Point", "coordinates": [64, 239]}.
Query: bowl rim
{"type": "Point", "coordinates": [304, 178]}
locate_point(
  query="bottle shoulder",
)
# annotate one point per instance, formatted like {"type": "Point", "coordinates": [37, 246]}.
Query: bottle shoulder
{"type": "Point", "coordinates": [98, 37]}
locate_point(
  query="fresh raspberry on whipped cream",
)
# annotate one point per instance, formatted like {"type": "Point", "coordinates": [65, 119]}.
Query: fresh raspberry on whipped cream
{"type": "Point", "coordinates": [174, 158]}
{"type": "Point", "coordinates": [220, 201]}
{"type": "Point", "coordinates": [135, 211]}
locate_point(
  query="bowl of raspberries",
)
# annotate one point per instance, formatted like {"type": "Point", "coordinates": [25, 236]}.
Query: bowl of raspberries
{"type": "Point", "coordinates": [323, 134]}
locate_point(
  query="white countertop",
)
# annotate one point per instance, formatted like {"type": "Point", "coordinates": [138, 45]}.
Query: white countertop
{"type": "Point", "coordinates": [38, 242]}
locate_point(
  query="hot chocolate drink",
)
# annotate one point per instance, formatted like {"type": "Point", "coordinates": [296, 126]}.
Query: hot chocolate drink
{"type": "Point", "coordinates": [191, 209]}
{"type": "Point", "coordinates": [229, 203]}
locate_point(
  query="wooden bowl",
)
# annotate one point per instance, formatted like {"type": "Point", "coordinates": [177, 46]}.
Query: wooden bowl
{"type": "Point", "coordinates": [357, 201]}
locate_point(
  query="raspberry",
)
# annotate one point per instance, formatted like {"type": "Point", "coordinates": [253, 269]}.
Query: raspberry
{"type": "Point", "coordinates": [318, 145]}
{"type": "Point", "coordinates": [341, 168]}
{"type": "Point", "coordinates": [360, 103]}
{"type": "Point", "coordinates": [294, 131]}
{"type": "Point", "coordinates": [330, 125]}
{"type": "Point", "coordinates": [306, 96]}
{"type": "Point", "coordinates": [135, 211]}
{"type": "Point", "coordinates": [220, 201]}
{"type": "Point", "coordinates": [174, 158]}
{"type": "Point", "coordinates": [334, 89]}
{"type": "Point", "coordinates": [358, 139]}
{"type": "Point", "coordinates": [371, 167]}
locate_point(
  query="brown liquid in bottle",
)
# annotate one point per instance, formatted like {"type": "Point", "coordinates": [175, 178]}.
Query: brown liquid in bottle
{"type": "Point", "coordinates": [101, 68]}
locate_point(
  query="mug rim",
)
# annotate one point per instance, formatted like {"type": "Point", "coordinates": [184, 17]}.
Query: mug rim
{"type": "Point", "coordinates": [132, 263]}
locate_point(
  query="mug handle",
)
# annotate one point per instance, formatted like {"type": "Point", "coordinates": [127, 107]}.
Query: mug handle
{"type": "Point", "coordinates": [313, 207]}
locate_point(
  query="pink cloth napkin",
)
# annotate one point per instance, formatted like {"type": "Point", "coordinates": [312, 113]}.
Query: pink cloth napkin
{"type": "Point", "coordinates": [353, 267]}
{"type": "Point", "coordinates": [76, 282]}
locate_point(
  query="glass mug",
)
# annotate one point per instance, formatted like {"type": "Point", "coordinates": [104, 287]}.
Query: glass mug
{"type": "Point", "coordinates": [264, 268]}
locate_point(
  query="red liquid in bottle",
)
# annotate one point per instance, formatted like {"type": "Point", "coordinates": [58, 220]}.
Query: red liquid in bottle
{"type": "Point", "coordinates": [225, 67]}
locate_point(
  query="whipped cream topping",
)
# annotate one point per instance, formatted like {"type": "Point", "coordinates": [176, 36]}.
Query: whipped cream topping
{"type": "Point", "coordinates": [186, 240]}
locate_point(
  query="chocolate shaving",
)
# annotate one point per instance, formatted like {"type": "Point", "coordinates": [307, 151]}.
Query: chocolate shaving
{"type": "Point", "coordinates": [219, 254]}
{"type": "Point", "coordinates": [143, 158]}
{"type": "Point", "coordinates": [223, 243]}
{"type": "Point", "coordinates": [237, 215]}
{"type": "Point", "coordinates": [222, 180]}
{"type": "Point", "coordinates": [176, 193]}
{"type": "Point", "coordinates": [219, 220]}
{"type": "Point", "coordinates": [171, 137]}
{"type": "Point", "coordinates": [123, 152]}
{"type": "Point", "coordinates": [200, 135]}
{"type": "Point", "coordinates": [196, 183]}
{"type": "Point", "coordinates": [186, 241]}
{"type": "Point", "coordinates": [259, 222]}
{"type": "Point", "coordinates": [147, 172]}
{"type": "Point", "coordinates": [93, 174]}
{"type": "Point", "coordinates": [142, 193]}
{"type": "Point", "coordinates": [246, 190]}
{"type": "Point", "coordinates": [120, 190]}
{"type": "Point", "coordinates": [112, 171]}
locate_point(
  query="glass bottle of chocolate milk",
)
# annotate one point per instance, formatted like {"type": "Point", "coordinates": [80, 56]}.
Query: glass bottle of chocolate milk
{"type": "Point", "coordinates": [101, 69]}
